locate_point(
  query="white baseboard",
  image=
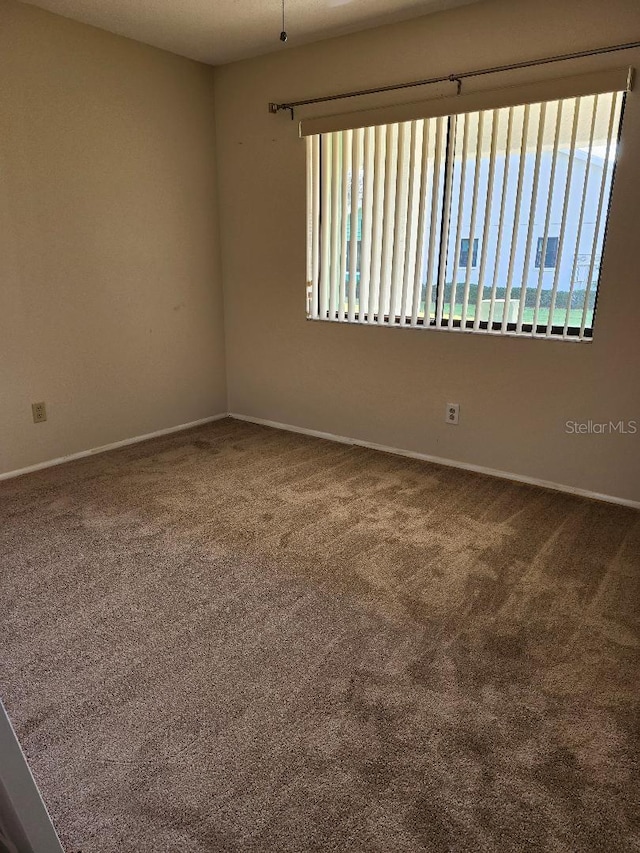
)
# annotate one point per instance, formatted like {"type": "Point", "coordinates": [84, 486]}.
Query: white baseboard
{"type": "Point", "coordinates": [451, 463]}
{"type": "Point", "coordinates": [8, 475]}
{"type": "Point", "coordinates": [329, 436]}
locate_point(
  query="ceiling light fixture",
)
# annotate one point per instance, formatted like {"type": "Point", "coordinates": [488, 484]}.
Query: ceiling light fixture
{"type": "Point", "coordinates": [283, 34]}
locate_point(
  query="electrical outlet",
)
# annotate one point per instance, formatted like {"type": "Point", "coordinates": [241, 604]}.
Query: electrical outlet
{"type": "Point", "coordinates": [39, 411]}
{"type": "Point", "coordinates": [453, 413]}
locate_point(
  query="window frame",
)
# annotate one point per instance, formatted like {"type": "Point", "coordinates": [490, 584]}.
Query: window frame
{"type": "Point", "coordinates": [471, 244]}
{"type": "Point", "coordinates": [553, 241]}
{"type": "Point", "coordinates": [510, 329]}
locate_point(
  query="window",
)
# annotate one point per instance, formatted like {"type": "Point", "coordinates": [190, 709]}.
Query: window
{"type": "Point", "coordinates": [550, 252]}
{"type": "Point", "coordinates": [392, 207]}
{"type": "Point", "coordinates": [464, 252]}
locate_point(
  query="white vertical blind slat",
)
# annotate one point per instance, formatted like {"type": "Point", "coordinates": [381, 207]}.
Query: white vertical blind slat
{"type": "Point", "coordinates": [465, 119]}
{"type": "Point", "coordinates": [542, 117]}
{"type": "Point", "coordinates": [325, 228]}
{"type": "Point", "coordinates": [356, 167]}
{"type": "Point", "coordinates": [415, 179]}
{"type": "Point", "coordinates": [516, 218]}
{"type": "Point", "coordinates": [474, 213]}
{"type": "Point", "coordinates": [400, 223]}
{"type": "Point", "coordinates": [565, 210]}
{"type": "Point", "coordinates": [367, 208]}
{"type": "Point", "coordinates": [378, 213]}
{"type": "Point", "coordinates": [547, 219]}
{"type": "Point", "coordinates": [503, 206]}
{"type": "Point", "coordinates": [435, 213]}
{"type": "Point", "coordinates": [446, 216]}
{"type": "Point", "coordinates": [336, 210]}
{"type": "Point", "coordinates": [487, 217]}
{"type": "Point", "coordinates": [347, 138]}
{"type": "Point", "coordinates": [386, 267]}
{"type": "Point", "coordinates": [313, 222]}
{"type": "Point", "coordinates": [423, 191]}
{"type": "Point", "coordinates": [310, 220]}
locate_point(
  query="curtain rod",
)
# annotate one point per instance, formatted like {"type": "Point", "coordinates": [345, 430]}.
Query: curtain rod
{"type": "Point", "coordinates": [453, 78]}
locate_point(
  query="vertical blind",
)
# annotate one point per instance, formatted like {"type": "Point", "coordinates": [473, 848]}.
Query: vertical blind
{"type": "Point", "coordinates": [489, 221]}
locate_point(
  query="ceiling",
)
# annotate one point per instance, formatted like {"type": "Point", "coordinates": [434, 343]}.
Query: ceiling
{"type": "Point", "coordinates": [219, 31]}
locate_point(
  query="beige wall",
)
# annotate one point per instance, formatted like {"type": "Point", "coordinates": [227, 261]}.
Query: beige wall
{"type": "Point", "coordinates": [110, 297]}
{"type": "Point", "coordinates": [390, 386]}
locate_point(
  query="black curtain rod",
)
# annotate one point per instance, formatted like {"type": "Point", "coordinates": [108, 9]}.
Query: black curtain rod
{"type": "Point", "coordinates": [454, 78]}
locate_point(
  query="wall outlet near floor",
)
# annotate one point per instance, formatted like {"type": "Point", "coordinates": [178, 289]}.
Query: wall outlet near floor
{"type": "Point", "coordinates": [453, 413]}
{"type": "Point", "coordinates": [39, 411]}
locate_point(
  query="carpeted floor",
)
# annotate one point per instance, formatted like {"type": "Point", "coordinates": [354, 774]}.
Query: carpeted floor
{"type": "Point", "coordinates": [239, 639]}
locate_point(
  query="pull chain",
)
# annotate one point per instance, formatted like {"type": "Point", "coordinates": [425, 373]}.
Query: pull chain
{"type": "Point", "coordinates": [283, 34]}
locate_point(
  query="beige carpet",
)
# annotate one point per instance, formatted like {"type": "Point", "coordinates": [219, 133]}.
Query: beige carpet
{"type": "Point", "coordinates": [238, 639]}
